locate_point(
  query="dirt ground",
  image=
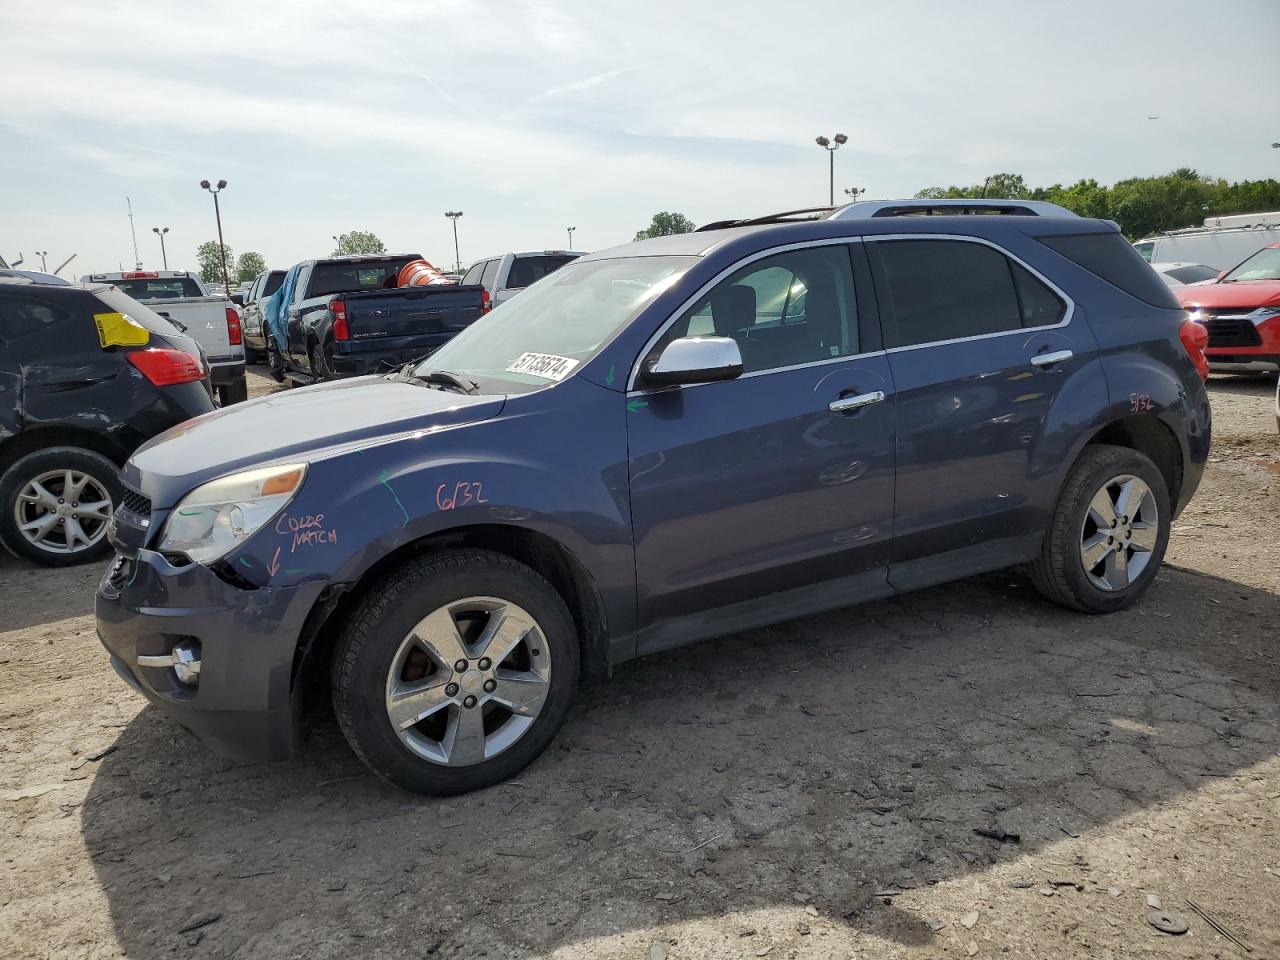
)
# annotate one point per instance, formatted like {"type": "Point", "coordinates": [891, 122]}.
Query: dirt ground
{"type": "Point", "coordinates": [810, 790]}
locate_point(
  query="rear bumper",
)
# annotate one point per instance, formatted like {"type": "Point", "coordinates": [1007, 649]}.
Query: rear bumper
{"type": "Point", "coordinates": [360, 358]}
{"type": "Point", "coordinates": [226, 372]}
{"type": "Point", "coordinates": [243, 705]}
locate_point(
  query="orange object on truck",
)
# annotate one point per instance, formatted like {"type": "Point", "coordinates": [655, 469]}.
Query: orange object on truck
{"type": "Point", "coordinates": [420, 273]}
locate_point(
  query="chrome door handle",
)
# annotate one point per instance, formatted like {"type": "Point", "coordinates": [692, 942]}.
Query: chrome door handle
{"type": "Point", "coordinates": [845, 404]}
{"type": "Point", "coordinates": [1049, 359]}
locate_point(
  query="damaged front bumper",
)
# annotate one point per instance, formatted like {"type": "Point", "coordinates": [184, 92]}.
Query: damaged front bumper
{"type": "Point", "coordinates": [154, 617]}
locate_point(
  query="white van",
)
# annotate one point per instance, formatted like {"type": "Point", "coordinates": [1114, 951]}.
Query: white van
{"type": "Point", "coordinates": [1222, 242]}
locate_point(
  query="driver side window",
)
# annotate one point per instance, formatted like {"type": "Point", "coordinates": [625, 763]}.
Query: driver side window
{"type": "Point", "coordinates": [789, 309]}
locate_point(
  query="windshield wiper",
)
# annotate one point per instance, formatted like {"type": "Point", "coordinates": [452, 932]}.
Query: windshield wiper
{"type": "Point", "coordinates": [446, 378]}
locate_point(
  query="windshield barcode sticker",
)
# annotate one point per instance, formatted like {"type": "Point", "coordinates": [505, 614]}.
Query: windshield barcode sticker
{"type": "Point", "coordinates": [546, 365]}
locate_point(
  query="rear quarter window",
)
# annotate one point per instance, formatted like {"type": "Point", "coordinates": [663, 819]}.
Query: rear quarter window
{"type": "Point", "coordinates": [23, 316]}
{"type": "Point", "coordinates": [1110, 257]}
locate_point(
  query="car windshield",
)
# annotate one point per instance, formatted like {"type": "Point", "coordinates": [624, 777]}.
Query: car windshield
{"type": "Point", "coordinates": [1263, 265]}
{"type": "Point", "coordinates": [556, 325]}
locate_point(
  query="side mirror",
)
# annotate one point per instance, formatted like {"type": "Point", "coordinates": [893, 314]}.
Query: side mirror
{"type": "Point", "coordinates": [238, 299]}
{"type": "Point", "coordinates": [695, 360]}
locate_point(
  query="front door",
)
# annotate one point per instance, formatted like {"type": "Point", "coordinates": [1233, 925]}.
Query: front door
{"type": "Point", "coordinates": [769, 495]}
{"type": "Point", "coordinates": [979, 348]}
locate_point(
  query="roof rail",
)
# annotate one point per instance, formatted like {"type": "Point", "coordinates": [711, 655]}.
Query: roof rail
{"type": "Point", "coordinates": [802, 215]}
{"type": "Point", "coordinates": [867, 209]}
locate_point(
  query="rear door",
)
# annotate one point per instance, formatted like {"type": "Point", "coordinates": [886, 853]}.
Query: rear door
{"type": "Point", "coordinates": [295, 320]}
{"type": "Point", "coordinates": [55, 368]}
{"type": "Point", "coordinates": [979, 346]}
{"type": "Point", "coordinates": [769, 493]}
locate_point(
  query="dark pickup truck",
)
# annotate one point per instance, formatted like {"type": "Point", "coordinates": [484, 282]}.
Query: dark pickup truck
{"type": "Point", "coordinates": [345, 316]}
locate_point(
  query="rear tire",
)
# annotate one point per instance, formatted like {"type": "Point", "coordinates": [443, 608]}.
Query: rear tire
{"type": "Point", "coordinates": [319, 365]}
{"type": "Point", "coordinates": [374, 668]}
{"type": "Point", "coordinates": [44, 472]}
{"type": "Point", "coordinates": [1108, 533]}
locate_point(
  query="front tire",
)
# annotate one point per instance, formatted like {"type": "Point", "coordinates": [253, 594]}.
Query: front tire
{"type": "Point", "coordinates": [55, 505]}
{"type": "Point", "coordinates": [456, 672]}
{"type": "Point", "coordinates": [1108, 534]}
{"type": "Point", "coordinates": [276, 359]}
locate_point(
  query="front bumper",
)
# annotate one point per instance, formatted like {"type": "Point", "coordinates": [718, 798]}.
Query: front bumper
{"type": "Point", "coordinates": [243, 705]}
{"type": "Point", "coordinates": [1242, 363]}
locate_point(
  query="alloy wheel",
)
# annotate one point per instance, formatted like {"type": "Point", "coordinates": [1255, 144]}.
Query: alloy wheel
{"type": "Point", "coordinates": [468, 681]}
{"type": "Point", "coordinates": [1119, 533]}
{"type": "Point", "coordinates": [63, 511]}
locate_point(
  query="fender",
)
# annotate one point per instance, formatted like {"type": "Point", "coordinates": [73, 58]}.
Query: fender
{"type": "Point", "coordinates": [1159, 382]}
{"type": "Point", "coordinates": [359, 506]}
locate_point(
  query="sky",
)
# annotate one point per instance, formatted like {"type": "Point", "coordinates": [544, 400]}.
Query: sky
{"type": "Point", "coordinates": [531, 116]}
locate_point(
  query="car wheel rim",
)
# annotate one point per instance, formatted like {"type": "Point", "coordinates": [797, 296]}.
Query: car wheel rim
{"type": "Point", "coordinates": [1119, 533]}
{"type": "Point", "coordinates": [63, 511]}
{"type": "Point", "coordinates": [468, 681]}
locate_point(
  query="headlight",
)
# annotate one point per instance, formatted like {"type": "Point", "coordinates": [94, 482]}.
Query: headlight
{"type": "Point", "coordinates": [1263, 314]}
{"type": "Point", "coordinates": [221, 514]}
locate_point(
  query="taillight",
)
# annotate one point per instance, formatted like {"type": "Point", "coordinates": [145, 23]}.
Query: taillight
{"type": "Point", "coordinates": [485, 305]}
{"type": "Point", "coordinates": [1194, 339]}
{"type": "Point", "coordinates": [165, 367]}
{"type": "Point", "coordinates": [234, 333]}
{"type": "Point", "coordinates": [340, 329]}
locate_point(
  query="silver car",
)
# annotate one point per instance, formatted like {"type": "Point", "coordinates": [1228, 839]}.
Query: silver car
{"type": "Point", "coordinates": [505, 275]}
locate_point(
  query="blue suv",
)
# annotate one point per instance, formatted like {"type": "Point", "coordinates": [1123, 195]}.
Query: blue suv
{"type": "Point", "coordinates": [660, 443]}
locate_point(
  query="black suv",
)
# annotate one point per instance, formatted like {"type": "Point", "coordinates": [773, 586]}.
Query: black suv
{"type": "Point", "coordinates": [87, 375]}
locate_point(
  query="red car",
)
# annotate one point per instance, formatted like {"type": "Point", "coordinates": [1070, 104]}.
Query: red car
{"type": "Point", "coordinates": [1241, 311]}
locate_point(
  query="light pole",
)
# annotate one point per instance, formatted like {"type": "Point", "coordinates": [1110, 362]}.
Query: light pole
{"type": "Point", "coordinates": [831, 146]}
{"type": "Point", "coordinates": [222, 247]}
{"type": "Point", "coordinates": [42, 254]}
{"type": "Point", "coordinates": [571, 229]}
{"type": "Point", "coordinates": [853, 192]}
{"type": "Point", "coordinates": [457, 257]}
{"type": "Point", "coordinates": [160, 233]}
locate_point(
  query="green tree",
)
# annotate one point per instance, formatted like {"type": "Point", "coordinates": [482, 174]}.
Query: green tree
{"type": "Point", "coordinates": [998, 186]}
{"type": "Point", "coordinates": [355, 242]}
{"type": "Point", "coordinates": [665, 225]}
{"type": "Point", "coordinates": [249, 266]}
{"type": "Point", "coordinates": [209, 260]}
{"type": "Point", "coordinates": [1141, 205]}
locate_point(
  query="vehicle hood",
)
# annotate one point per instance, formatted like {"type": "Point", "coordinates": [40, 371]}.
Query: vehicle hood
{"type": "Point", "coordinates": [1216, 296]}
{"type": "Point", "coordinates": [305, 424]}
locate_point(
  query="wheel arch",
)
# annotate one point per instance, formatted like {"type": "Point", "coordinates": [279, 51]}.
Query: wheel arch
{"type": "Point", "coordinates": [1151, 436]}
{"type": "Point", "coordinates": [537, 550]}
{"type": "Point", "coordinates": [58, 435]}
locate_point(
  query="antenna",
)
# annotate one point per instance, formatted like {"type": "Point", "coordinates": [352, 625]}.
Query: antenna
{"type": "Point", "coordinates": [58, 269]}
{"type": "Point", "coordinates": [136, 259]}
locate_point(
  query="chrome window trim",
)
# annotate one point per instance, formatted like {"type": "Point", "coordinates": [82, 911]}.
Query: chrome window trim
{"type": "Point", "coordinates": [1061, 294]}
{"type": "Point", "coordinates": [759, 255]}
{"type": "Point", "coordinates": [733, 268]}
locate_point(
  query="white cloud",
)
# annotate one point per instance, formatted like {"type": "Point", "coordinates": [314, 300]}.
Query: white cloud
{"type": "Point", "coordinates": [531, 114]}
